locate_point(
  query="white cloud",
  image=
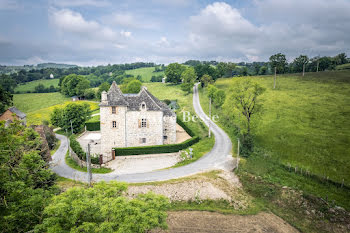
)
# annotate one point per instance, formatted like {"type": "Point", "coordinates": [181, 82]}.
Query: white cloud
{"type": "Point", "coordinates": [129, 20]}
{"type": "Point", "coordinates": [220, 29]}
{"type": "Point", "coordinates": [76, 3]}
{"type": "Point", "coordinates": [68, 21]}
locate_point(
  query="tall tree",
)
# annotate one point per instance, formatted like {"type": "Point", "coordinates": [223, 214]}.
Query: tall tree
{"type": "Point", "coordinates": [206, 80]}
{"type": "Point", "coordinates": [244, 101]}
{"type": "Point", "coordinates": [173, 72]}
{"type": "Point", "coordinates": [188, 77]}
{"type": "Point", "coordinates": [299, 62]}
{"type": "Point", "coordinates": [83, 85]}
{"type": "Point", "coordinates": [72, 115]}
{"type": "Point", "coordinates": [279, 60]}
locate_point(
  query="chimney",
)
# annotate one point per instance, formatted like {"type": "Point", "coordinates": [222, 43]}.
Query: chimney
{"type": "Point", "coordinates": [104, 97]}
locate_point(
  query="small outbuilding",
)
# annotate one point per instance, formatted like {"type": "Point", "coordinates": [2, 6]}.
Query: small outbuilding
{"type": "Point", "coordinates": [13, 113]}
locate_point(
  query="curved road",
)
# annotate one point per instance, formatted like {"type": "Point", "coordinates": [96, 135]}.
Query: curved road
{"type": "Point", "coordinates": [218, 158]}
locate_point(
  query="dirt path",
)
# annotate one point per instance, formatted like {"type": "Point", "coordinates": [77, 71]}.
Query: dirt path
{"type": "Point", "coordinates": [208, 222]}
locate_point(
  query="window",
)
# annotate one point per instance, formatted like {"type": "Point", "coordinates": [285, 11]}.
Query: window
{"type": "Point", "coordinates": [114, 110]}
{"type": "Point", "coordinates": [114, 124]}
{"type": "Point", "coordinates": [165, 137]}
{"type": "Point", "coordinates": [143, 106]}
{"type": "Point", "coordinates": [143, 123]}
{"type": "Point", "coordinates": [143, 140]}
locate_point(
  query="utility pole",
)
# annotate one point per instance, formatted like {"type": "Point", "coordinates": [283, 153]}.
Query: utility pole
{"type": "Point", "coordinates": [209, 114]}
{"type": "Point", "coordinates": [303, 69]}
{"type": "Point", "coordinates": [318, 63]}
{"type": "Point", "coordinates": [237, 152]}
{"type": "Point", "coordinates": [68, 143]}
{"type": "Point", "coordinates": [88, 164]}
{"type": "Point", "coordinates": [71, 126]}
{"type": "Point", "coordinates": [274, 81]}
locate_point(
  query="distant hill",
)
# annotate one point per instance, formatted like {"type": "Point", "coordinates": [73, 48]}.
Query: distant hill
{"type": "Point", "coordinates": [54, 65]}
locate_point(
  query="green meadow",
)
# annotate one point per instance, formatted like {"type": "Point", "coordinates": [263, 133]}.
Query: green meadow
{"type": "Point", "coordinates": [304, 123]}
{"type": "Point", "coordinates": [38, 106]}
{"type": "Point", "coordinates": [30, 86]}
{"type": "Point", "coordinates": [146, 73]}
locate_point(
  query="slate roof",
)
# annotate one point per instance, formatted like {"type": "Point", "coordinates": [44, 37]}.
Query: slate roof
{"type": "Point", "coordinates": [115, 97]}
{"type": "Point", "coordinates": [17, 112]}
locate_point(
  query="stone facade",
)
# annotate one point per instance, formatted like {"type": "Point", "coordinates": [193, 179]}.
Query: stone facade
{"type": "Point", "coordinates": [131, 120]}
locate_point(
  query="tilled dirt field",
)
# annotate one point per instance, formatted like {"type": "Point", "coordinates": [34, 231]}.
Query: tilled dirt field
{"type": "Point", "coordinates": [208, 222]}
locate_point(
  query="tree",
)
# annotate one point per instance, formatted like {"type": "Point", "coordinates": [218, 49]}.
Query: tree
{"type": "Point", "coordinates": [103, 208]}
{"type": "Point", "coordinates": [82, 86]}
{"type": "Point", "coordinates": [7, 83]}
{"type": "Point", "coordinates": [211, 91]}
{"type": "Point", "coordinates": [219, 98]}
{"type": "Point", "coordinates": [340, 59]}
{"type": "Point", "coordinates": [89, 93]}
{"type": "Point", "coordinates": [188, 78]}
{"type": "Point", "coordinates": [26, 183]}
{"type": "Point", "coordinates": [75, 114]}
{"type": "Point", "coordinates": [103, 87]}
{"type": "Point", "coordinates": [70, 83]}
{"type": "Point", "coordinates": [40, 88]}
{"type": "Point", "coordinates": [279, 60]}
{"type": "Point", "coordinates": [244, 100]}
{"type": "Point", "coordinates": [225, 69]}
{"type": "Point", "coordinates": [299, 62]}
{"type": "Point", "coordinates": [263, 70]}
{"type": "Point", "coordinates": [173, 72]}
{"type": "Point", "coordinates": [5, 99]}
{"type": "Point", "coordinates": [133, 86]}
{"type": "Point", "coordinates": [256, 68]}
{"type": "Point", "coordinates": [206, 80]}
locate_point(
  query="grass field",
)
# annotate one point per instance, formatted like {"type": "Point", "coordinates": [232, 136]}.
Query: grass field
{"type": "Point", "coordinates": [30, 86]}
{"type": "Point", "coordinates": [305, 121]}
{"type": "Point", "coordinates": [146, 73]}
{"type": "Point", "coordinates": [38, 106]}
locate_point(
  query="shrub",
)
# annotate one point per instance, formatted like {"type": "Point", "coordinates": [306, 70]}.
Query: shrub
{"type": "Point", "coordinates": [74, 144]}
{"type": "Point", "coordinates": [156, 149]}
{"type": "Point", "coordinates": [182, 124]}
{"type": "Point", "coordinates": [92, 126]}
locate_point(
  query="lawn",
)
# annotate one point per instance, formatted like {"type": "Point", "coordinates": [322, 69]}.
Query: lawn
{"type": "Point", "coordinates": [146, 73]}
{"type": "Point", "coordinates": [304, 122]}
{"type": "Point", "coordinates": [38, 106]}
{"type": "Point", "coordinates": [30, 86]}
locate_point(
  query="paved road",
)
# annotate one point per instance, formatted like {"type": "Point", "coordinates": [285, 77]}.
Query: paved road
{"type": "Point", "coordinates": [218, 158]}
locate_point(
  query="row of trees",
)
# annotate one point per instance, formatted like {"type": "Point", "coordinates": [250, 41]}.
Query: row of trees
{"type": "Point", "coordinates": [304, 62]}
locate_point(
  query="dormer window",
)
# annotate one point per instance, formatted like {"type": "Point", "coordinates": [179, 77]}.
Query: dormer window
{"type": "Point", "coordinates": [114, 110]}
{"type": "Point", "coordinates": [143, 106]}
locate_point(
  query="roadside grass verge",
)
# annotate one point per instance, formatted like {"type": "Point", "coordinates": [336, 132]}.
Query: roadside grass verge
{"type": "Point", "coordinates": [199, 149]}
{"type": "Point", "coordinates": [30, 86]}
{"type": "Point", "coordinates": [145, 72]}
{"type": "Point", "coordinates": [58, 143]}
{"type": "Point", "coordinates": [70, 162]}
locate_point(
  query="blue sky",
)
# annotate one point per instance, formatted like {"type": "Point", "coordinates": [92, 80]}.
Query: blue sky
{"type": "Point", "coordinates": [93, 32]}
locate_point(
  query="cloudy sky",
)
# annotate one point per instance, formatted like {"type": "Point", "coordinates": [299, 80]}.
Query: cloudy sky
{"type": "Point", "coordinates": [93, 32]}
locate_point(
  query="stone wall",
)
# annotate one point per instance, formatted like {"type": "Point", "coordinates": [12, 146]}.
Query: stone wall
{"type": "Point", "coordinates": [80, 162]}
{"type": "Point", "coordinates": [169, 130]}
{"type": "Point", "coordinates": [152, 133]}
{"type": "Point", "coordinates": [112, 137]}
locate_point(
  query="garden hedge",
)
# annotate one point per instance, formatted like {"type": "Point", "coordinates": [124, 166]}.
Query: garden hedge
{"type": "Point", "coordinates": [92, 126]}
{"type": "Point", "coordinates": [159, 149]}
{"type": "Point", "coordinates": [182, 124]}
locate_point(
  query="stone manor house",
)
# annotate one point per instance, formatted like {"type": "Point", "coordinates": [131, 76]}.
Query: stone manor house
{"type": "Point", "coordinates": [131, 120]}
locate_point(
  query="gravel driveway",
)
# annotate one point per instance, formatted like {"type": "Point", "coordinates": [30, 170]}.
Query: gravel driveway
{"type": "Point", "coordinates": [218, 158]}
